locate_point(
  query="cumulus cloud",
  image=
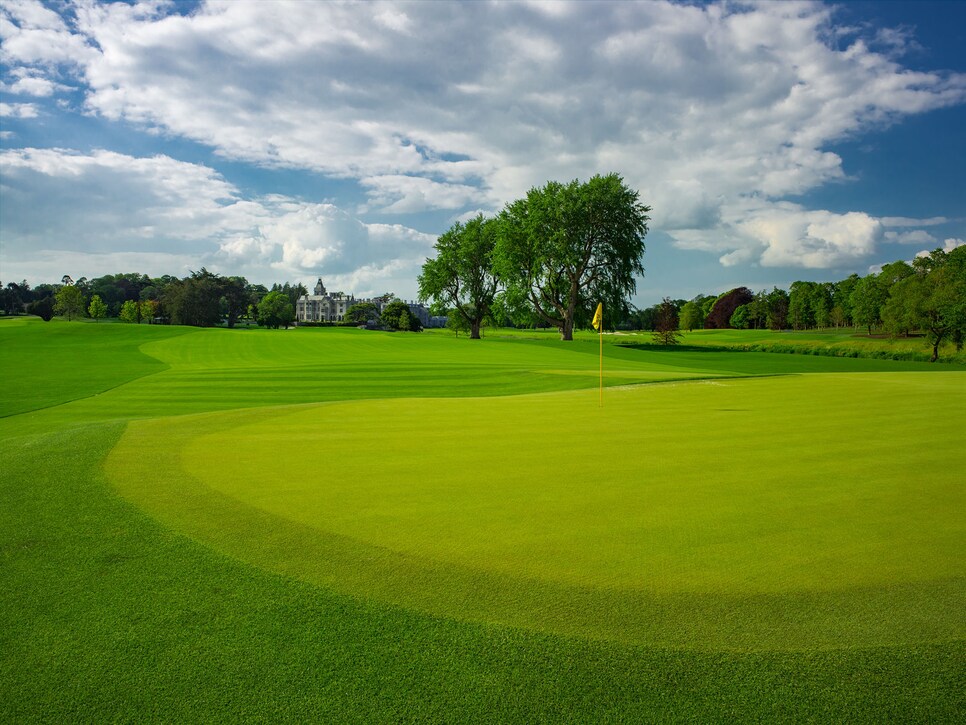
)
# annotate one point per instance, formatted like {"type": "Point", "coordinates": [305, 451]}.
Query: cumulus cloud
{"type": "Point", "coordinates": [76, 210]}
{"type": "Point", "coordinates": [30, 83]}
{"type": "Point", "coordinates": [717, 112]}
{"type": "Point", "coordinates": [396, 193]}
{"type": "Point", "coordinates": [782, 234]}
{"type": "Point", "coordinates": [18, 110]}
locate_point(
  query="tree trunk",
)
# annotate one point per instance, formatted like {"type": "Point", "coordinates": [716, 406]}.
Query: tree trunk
{"type": "Point", "coordinates": [567, 328]}
{"type": "Point", "coordinates": [475, 330]}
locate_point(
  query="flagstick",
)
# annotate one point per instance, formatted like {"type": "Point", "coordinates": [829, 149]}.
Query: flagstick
{"type": "Point", "coordinates": [600, 335]}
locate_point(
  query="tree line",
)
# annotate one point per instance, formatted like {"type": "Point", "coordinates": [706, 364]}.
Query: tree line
{"type": "Point", "coordinates": [202, 299]}
{"type": "Point", "coordinates": [926, 296]}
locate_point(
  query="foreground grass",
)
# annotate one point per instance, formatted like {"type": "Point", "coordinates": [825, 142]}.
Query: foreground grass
{"type": "Point", "coordinates": [112, 614]}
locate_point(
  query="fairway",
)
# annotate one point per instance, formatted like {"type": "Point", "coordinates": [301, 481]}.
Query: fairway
{"type": "Point", "coordinates": [355, 526]}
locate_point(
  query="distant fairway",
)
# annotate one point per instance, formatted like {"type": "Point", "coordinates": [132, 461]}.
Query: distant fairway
{"type": "Point", "coordinates": [339, 525]}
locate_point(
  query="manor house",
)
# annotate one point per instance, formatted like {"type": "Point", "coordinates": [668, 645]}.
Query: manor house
{"type": "Point", "coordinates": [331, 307]}
{"type": "Point", "coordinates": [323, 306]}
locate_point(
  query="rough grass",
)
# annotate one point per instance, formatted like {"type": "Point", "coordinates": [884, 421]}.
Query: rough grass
{"type": "Point", "coordinates": [111, 613]}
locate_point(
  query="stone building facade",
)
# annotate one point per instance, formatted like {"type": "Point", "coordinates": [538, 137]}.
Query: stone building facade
{"type": "Point", "coordinates": [323, 306]}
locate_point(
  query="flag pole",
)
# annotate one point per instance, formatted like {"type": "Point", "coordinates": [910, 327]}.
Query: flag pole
{"type": "Point", "coordinates": [598, 324]}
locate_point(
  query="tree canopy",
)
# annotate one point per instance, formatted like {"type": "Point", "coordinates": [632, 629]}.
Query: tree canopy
{"type": "Point", "coordinates": [275, 310]}
{"type": "Point", "coordinates": [567, 246]}
{"type": "Point", "coordinates": [69, 302]}
{"type": "Point", "coordinates": [461, 276]}
{"type": "Point", "coordinates": [398, 317]}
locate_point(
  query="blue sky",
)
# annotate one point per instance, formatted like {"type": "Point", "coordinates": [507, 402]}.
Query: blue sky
{"type": "Point", "coordinates": [286, 141]}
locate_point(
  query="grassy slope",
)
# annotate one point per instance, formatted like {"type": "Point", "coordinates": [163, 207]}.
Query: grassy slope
{"type": "Point", "coordinates": [110, 615]}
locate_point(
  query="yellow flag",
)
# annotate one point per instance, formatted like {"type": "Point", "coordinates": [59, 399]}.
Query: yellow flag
{"type": "Point", "coordinates": [599, 316]}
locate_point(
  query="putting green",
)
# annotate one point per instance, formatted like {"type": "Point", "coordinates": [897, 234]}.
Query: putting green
{"type": "Point", "coordinates": [774, 513]}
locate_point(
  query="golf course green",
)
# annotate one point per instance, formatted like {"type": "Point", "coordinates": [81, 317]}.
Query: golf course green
{"type": "Point", "coordinates": [354, 526]}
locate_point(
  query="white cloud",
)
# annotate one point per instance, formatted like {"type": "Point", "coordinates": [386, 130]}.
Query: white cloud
{"type": "Point", "coordinates": [917, 236]}
{"type": "Point", "coordinates": [782, 234]}
{"type": "Point", "coordinates": [33, 34]}
{"type": "Point", "coordinates": [29, 83]}
{"type": "Point", "coordinates": [716, 112]}
{"type": "Point", "coordinates": [87, 214]}
{"type": "Point", "coordinates": [405, 194]}
{"type": "Point", "coordinates": [18, 110]}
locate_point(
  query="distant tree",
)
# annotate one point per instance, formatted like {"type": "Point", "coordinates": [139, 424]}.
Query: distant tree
{"type": "Point", "coordinates": [69, 302]}
{"type": "Point", "coordinates": [194, 300]}
{"type": "Point", "coordinates": [894, 272]}
{"type": "Point", "coordinates": [96, 309]}
{"type": "Point", "coordinates": [130, 312]}
{"type": "Point", "coordinates": [842, 300]}
{"type": "Point", "coordinates": [740, 318]}
{"type": "Point", "coordinates": [820, 301]}
{"type": "Point", "coordinates": [457, 323]}
{"type": "Point", "coordinates": [397, 316]}
{"type": "Point", "coordinates": [566, 246]}
{"type": "Point", "coordinates": [800, 312]}
{"type": "Point", "coordinates": [692, 315]}
{"type": "Point", "coordinates": [292, 291]}
{"type": "Point", "coordinates": [235, 298]}
{"type": "Point", "coordinates": [361, 313]}
{"type": "Point", "coordinates": [11, 303]}
{"type": "Point", "coordinates": [148, 309]}
{"type": "Point", "coordinates": [276, 310]}
{"type": "Point", "coordinates": [666, 324]}
{"type": "Point", "coordinates": [777, 318]}
{"type": "Point", "coordinates": [931, 299]}
{"type": "Point", "coordinates": [724, 307]}
{"type": "Point", "coordinates": [867, 299]}
{"type": "Point", "coordinates": [461, 275]}
{"type": "Point", "coordinates": [43, 308]}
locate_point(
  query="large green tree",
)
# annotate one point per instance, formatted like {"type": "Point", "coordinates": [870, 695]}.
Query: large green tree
{"type": "Point", "coordinates": [567, 246]}
{"type": "Point", "coordinates": [461, 275]}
